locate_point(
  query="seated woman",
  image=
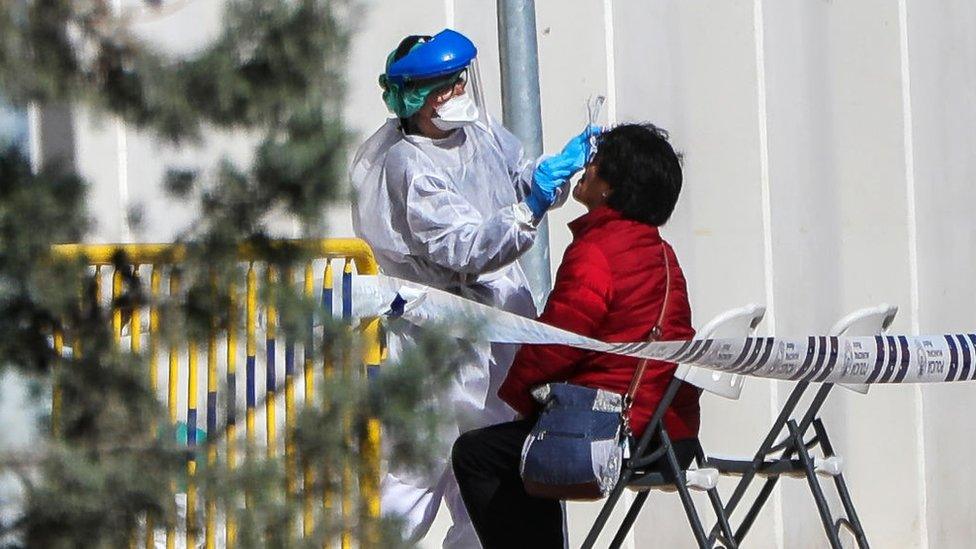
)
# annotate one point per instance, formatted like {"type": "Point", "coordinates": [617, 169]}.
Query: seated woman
{"type": "Point", "coordinates": [610, 286]}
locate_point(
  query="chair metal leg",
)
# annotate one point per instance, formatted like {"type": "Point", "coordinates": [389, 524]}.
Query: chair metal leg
{"type": "Point", "coordinates": [654, 425]}
{"type": "Point", "coordinates": [737, 494]}
{"type": "Point", "coordinates": [818, 495]}
{"type": "Point", "coordinates": [682, 486]}
{"type": "Point", "coordinates": [852, 518]}
{"type": "Point", "coordinates": [601, 519]}
{"type": "Point", "coordinates": [755, 508]}
{"type": "Point", "coordinates": [628, 523]}
{"type": "Point", "coordinates": [627, 473]}
{"type": "Point", "coordinates": [774, 432]}
{"type": "Point", "coordinates": [689, 505]}
{"type": "Point", "coordinates": [842, 491]}
{"type": "Point", "coordinates": [723, 520]}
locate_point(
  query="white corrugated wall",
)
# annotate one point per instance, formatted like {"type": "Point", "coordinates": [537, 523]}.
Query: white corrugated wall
{"type": "Point", "coordinates": [829, 165]}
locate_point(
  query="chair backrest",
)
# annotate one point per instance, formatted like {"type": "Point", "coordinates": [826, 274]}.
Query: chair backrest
{"type": "Point", "coordinates": [864, 322]}
{"type": "Point", "coordinates": [734, 323]}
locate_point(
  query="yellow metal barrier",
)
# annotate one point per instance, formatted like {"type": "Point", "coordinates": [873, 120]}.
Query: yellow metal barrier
{"type": "Point", "coordinates": [230, 527]}
{"type": "Point", "coordinates": [160, 259]}
{"type": "Point", "coordinates": [308, 371]}
{"type": "Point", "coordinates": [171, 404]}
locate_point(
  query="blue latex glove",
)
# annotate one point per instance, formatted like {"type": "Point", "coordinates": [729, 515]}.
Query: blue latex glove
{"type": "Point", "coordinates": [551, 174]}
{"type": "Point", "coordinates": [577, 150]}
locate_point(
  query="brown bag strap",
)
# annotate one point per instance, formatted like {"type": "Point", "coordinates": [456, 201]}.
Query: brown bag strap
{"type": "Point", "coordinates": [655, 335]}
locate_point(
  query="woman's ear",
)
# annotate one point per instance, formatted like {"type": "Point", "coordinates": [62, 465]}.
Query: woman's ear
{"type": "Point", "coordinates": [603, 187]}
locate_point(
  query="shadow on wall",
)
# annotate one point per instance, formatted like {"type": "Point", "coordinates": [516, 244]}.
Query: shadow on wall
{"type": "Point", "coordinates": [21, 416]}
{"type": "Point", "coordinates": [13, 126]}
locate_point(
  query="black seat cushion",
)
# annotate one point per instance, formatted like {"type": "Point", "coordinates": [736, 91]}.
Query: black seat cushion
{"type": "Point", "coordinates": [740, 466]}
{"type": "Point", "coordinates": [659, 473]}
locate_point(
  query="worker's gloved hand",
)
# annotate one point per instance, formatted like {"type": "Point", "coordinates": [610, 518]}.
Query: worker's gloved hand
{"type": "Point", "coordinates": [577, 150]}
{"type": "Point", "coordinates": [551, 174]}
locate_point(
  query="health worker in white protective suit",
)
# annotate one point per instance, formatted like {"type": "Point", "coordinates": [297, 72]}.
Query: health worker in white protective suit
{"type": "Point", "coordinates": [445, 198]}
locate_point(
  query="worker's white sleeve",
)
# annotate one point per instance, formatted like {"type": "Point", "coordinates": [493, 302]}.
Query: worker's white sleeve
{"type": "Point", "coordinates": [455, 235]}
{"type": "Point", "coordinates": [522, 169]}
{"type": "Point", "coordinates": [519, 167]}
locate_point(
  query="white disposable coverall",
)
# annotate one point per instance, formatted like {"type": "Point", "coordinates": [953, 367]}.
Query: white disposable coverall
{"type": "Point", "coordinates": [447, 213]}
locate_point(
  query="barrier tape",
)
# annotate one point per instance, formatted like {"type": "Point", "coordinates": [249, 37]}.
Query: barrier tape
{"type": "Point", "coordinates": [819, 359]}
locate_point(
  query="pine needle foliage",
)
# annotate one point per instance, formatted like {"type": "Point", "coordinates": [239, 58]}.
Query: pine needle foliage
{"type": "Point", "coordinates": [274, 72]}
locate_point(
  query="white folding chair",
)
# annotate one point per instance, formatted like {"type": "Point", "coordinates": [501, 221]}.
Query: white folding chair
{"type": "Point", "coordinates": [637, 472]}
{"type": "Point", "coordinates": [795, 457]}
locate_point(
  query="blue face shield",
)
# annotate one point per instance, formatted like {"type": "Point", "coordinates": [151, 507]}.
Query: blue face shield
{"type": "Point", "coordinates": [425, 65]}
{"type": "Point", "coordinates": [446, 53]}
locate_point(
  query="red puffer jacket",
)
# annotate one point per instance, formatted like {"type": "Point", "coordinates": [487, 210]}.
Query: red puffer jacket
{"type": "Point", "coordinates": [610, 286]}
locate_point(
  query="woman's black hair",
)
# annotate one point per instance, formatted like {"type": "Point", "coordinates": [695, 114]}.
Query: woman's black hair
{"type": "Point", "coordinates": [643, 171]}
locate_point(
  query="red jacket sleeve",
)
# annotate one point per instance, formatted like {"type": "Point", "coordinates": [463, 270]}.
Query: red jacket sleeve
{"type": "Point", "coordinates": [578, 303]}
